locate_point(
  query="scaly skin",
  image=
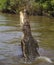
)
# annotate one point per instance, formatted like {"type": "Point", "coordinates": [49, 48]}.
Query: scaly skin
{"type": "Point", "coordinates": [28, 43]}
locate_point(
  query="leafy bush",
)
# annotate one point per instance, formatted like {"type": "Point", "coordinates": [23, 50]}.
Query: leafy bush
{"type": "Point", "coordinates": [33, 6]}
{"type": "Point", "coordinates": [2, 3]}
{"type": "Point", "coordinates": [52, 2]}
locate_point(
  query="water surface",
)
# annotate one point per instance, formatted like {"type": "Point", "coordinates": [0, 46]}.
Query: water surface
{"type": "Point", "coordinates": [10, 36]}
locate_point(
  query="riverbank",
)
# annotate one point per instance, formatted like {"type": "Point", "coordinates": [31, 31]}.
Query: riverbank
{"type": "Point", "coordinates": [36, 7]}
{"type": "Point", "coordinates": [48, 14]}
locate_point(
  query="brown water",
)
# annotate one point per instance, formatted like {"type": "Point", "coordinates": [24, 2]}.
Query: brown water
{"type": "Point", "coordinates": [10, 37]}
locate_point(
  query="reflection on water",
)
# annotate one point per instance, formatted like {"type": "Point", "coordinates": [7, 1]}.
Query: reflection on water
{"type": "Point", "coordinates": [10, 36]}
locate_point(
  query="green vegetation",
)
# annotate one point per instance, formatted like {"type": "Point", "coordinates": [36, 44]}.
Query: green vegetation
{"type": "Point", "coordinates": [35, 7]}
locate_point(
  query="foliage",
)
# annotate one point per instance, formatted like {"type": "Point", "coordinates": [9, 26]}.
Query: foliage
{"type": "Point", "coordinates": [32, 5]}
{"type": "Point", "coordinates": [52, 2]}
{"type": "Point", "coordinates": [2, 3]}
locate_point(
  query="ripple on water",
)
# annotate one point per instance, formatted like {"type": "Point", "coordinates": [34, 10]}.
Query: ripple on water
{"type": "Point", "coordinates": [4, 28]}
{"type": "Point", "coordinates": [9, 50]}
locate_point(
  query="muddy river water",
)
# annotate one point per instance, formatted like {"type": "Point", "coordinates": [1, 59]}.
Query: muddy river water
{"type": "Point", "coordinates": [10, 36]}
